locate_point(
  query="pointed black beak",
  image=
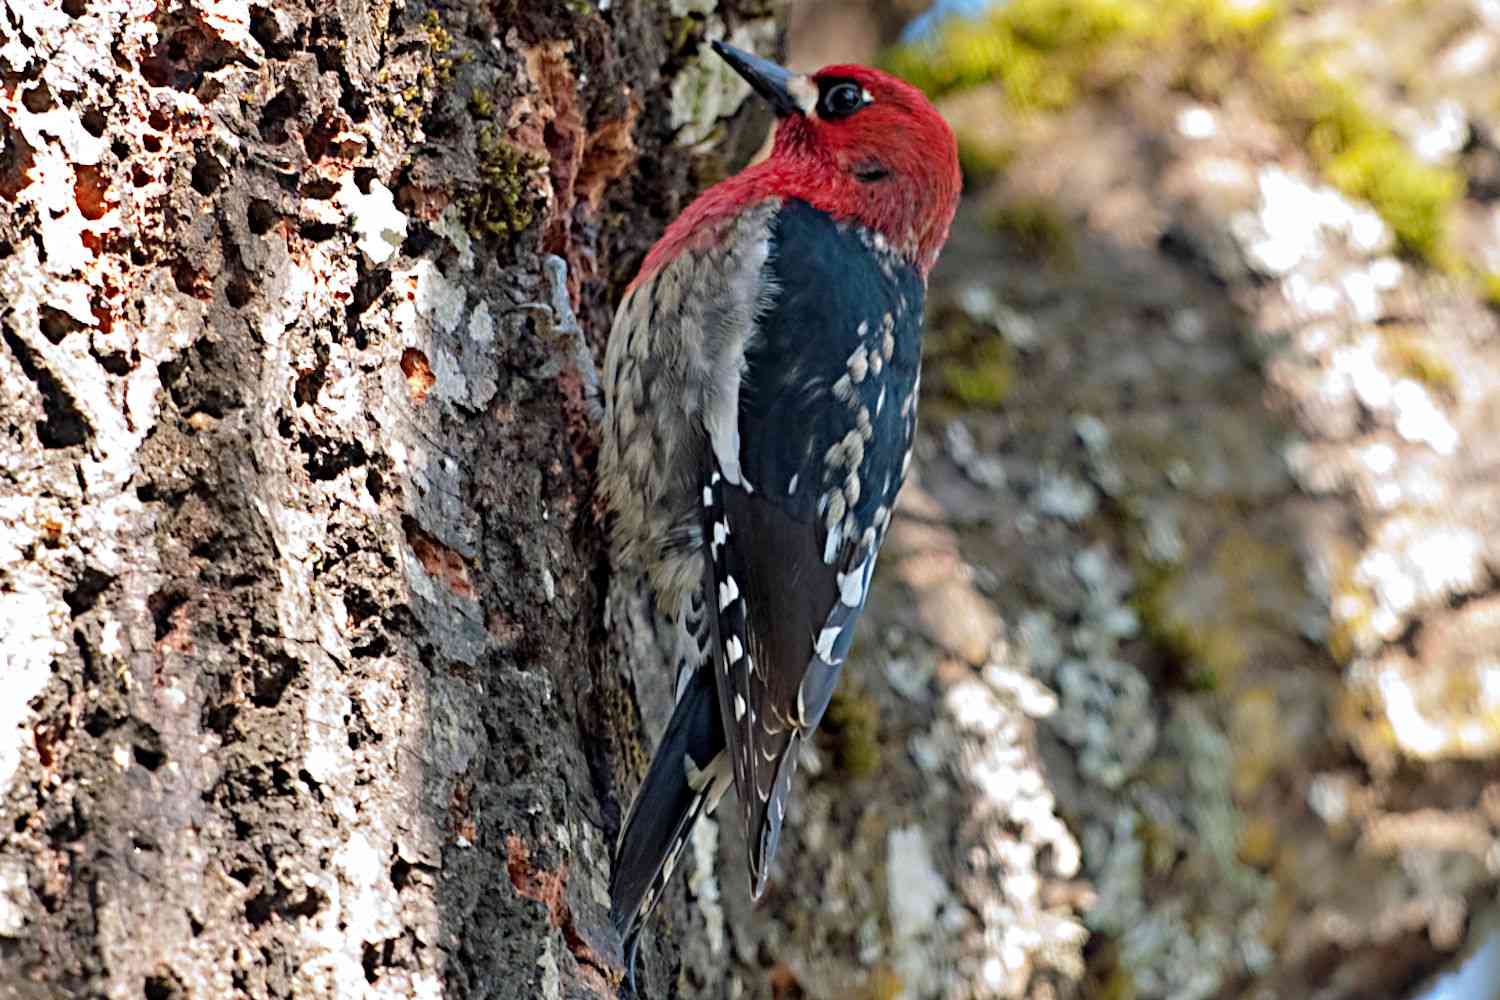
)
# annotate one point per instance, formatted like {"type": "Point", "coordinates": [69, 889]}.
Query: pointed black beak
{"type": "Point", "coordinates": [770, 81]}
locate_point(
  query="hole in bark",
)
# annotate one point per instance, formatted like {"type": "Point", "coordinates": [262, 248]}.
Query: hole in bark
{"type": "Point", "coordinates": [85, 593]}
{"type": "Point", "coordinates": [117, 363]}
{"type": "Point", "coordinates": [74, 8]}
{"type": "Point", "coordinates": [309, 383]}
{"type": "Point", "coordinates": [326, 458]}
{"type": "Point", "coordinates": [162, 604]}
{"type": "Point", "coordinates": [158, 120]}
{"type": "Point", "coordinates": [98, 724]}
{"type": "Point", "coordinates": [360, 603]}
{"type": "Point", "coordinates": [317, 232]}
{"type": "Point", "coordinates": [161, 987]}
{"type": "Point", "coordinates": [327, 56]}
{"type": "Point", "coordinates": [171, 371]}
{"type": "Point", "coordinates": [377, 646]}
{"type": "Point", "coordinates": [258, 910]}
{"type": "Point", "coordinates": [140, 178]}
{"type": "Point", "coordinates": [308, 905]}
{"type": "Point", "coordinates": [148, 758]}
{"type": "Point", "coordinates": [38, 99]}
{"type": "Point", "coordinates": [371, 962]}
{"type": "Point", "coordinates": [315, 142]}
{"type": "Point", "coordinates": [56, 324]}
{"type": "Point", "coordinates": [264, 30]}
{"type": "Point", "coordinates": [366, 291]}
{"type": "Point", "coordinates": [189, 280]}
{"type": "Point", "coordinates": [418, 238]}
{"type": "Point", "coordinates": [152, 143]}
{"type": "Point", "coordinates": [44, 737]}
{"type": "Point", "coordinates": [319, 189]}
{"type": "Point", "coordinates": [207, 173]}
{"type": "Point", "coordinates": [156, 69]}
{"type": "Point", "coordinates": [220, 718]}
{"type": "Point", "coordinates": [16, 157]}
{"type": "Point", "coordinates": [239, 291]}
{"type": "Point", "coordinates": [375, 485]}
{"type": "Point", "coordinates": [264, 905]}
{"type": "Point", "coordinates": [278, 109]}
{"type": "Point", "coordinates": [400, 873]}
{"type": "Point", "coordinates": [62, 425]}
{"type": "Point", "coordinates": [418, 372]}
{"type": "Point", "coordinates": [89, 185]}
{"type": "Point", "coordinates": [93, 119]}
{"type": "Point", "coordinates": [271, 679]}
{"type": "Point", "coordinates": [261, 216]}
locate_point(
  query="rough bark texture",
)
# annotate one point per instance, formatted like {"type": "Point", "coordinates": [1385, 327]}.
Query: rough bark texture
{"type": "Point", "coordinates": [300, 584]}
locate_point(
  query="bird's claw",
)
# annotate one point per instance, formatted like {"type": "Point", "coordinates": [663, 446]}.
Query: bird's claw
{"type": "Point", "coordinates": [565, 326]}
{"type": "Point", "coordinates": [632, 943]}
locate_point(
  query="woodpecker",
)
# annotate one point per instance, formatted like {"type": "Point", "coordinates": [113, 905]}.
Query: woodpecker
{"type": "Point", "coordinates": [760, 390]}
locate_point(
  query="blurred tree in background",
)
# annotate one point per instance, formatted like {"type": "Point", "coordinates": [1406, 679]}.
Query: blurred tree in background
{"type": "Point", "coordinates": [1199, 694]}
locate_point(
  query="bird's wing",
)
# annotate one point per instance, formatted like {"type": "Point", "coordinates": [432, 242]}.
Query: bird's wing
{"type": "Point", "coordinates": [825, 416]}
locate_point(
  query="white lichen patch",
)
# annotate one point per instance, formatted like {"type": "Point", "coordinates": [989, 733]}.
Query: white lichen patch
{"type": "Point", "coordinates": [16, 898]}
{"type": "Point", "coordinates": [482, 325]}
{"type": "Point", "coordinates": [1295, 220]}
{"type": "Point", "coordinates": [1419, 420]}
{"type": "Point", "coordinates": [917, 893]}
{"type": "Point", "coordinates": [1106, 714]}
{"type": "Point", "coordinates": [704, 885]}
{"type": "Point", "coordinates": [437, 298]}
{"type": "Point", "coordinates": [450, 226]}
{"type": "Point", "coordinates": [709, 90]}
{"type": "Point", "coordinates": [230, 20]}
{"type": "Point", "coordinates": [379, 226]}
{"type": "Point", "coordinates": [551, 975]}
{"type": "Point", "coordinates": [32, 624]}
{"type": "Point", "coordinates": [1414, 562]}
{"type": "Point", "coordinates": [1444, 703]}
{"type": "Point", "coordinates": [1066, 497]}
{"type": "Point", "coordinates": [1014, 840]}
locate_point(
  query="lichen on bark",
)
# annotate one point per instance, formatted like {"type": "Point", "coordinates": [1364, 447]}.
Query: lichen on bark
{"type": "Point", "coordinates": [302, 578]}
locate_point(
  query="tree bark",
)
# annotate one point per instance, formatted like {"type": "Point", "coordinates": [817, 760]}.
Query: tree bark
{"type": "Point", "coordinates": [307, 690]}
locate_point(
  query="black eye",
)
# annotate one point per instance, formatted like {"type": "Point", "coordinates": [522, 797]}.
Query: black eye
{"type": "Point", "coordinates": [841, 100]}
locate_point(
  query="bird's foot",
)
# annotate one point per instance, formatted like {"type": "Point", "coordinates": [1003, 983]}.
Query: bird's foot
{"type": "Point", "coordinates": [632, 943]}
{"type": "Point", "coordinates": [564, 328]}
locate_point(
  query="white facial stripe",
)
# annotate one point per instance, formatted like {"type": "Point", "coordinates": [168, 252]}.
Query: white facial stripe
{"type": "Point", "coordinates": [804, 92]}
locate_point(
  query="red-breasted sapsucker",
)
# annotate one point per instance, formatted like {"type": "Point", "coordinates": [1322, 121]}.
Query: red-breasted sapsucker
{"type": "Point", "coordinates": [760, 399]}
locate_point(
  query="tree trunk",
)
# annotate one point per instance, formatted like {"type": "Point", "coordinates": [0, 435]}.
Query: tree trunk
{"type": "Point", "coordinates": [306, 685]}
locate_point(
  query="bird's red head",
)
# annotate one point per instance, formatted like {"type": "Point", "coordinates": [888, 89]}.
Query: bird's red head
{"type": "Point", "coordinates": [861, 144]}
{"type": "Point", "coordinates": [855, 142]}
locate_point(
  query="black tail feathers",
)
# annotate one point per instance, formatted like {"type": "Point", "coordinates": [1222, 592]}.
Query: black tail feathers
{"type": "Point", "coordinates": [686, 778]}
